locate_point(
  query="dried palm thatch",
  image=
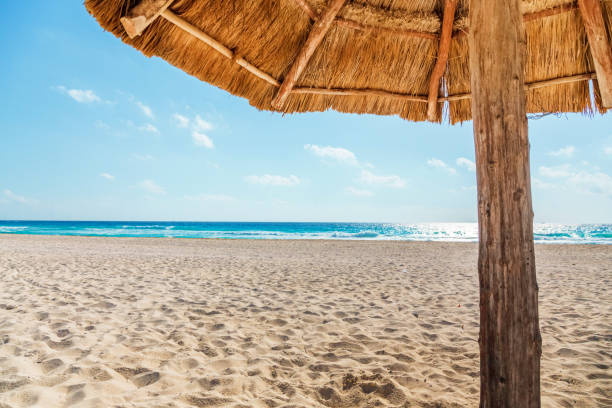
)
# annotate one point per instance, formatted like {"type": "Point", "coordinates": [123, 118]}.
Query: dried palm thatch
{"type": "Point", "coordinates": [377, 57]}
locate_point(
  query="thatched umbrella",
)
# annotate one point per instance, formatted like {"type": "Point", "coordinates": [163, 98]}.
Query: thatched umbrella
{"type": "Point", "coordinates": [489, 61]}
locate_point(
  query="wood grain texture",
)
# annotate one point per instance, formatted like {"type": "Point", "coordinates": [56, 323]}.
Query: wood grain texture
{"type": "Point", "coordinates": [316, 35]}
{"type": "Point", "coordinates": [601, 50]}
{"type": "Point", "coordinates": [510, 341]}
{"type": "Point", "coordinates": [536, 15]}
{"type": "Point", "coordinates": [443, 49]}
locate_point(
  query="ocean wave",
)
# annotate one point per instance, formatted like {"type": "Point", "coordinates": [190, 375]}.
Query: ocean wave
{"type": "Point", "coordinates": [152, 226]}
{"type": "Point", "coordinates": [360, 234]}
{"type": "Point", "coordinates": [443, 232]}
{"type": "Point", "coordinates": [12, 229]}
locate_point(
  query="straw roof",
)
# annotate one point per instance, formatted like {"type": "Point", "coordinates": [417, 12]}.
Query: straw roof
{"type": "Point", "coordinates": [377, 57]}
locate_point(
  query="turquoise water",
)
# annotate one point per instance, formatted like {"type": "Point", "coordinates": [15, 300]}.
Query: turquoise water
{"type": "Point", "coordinates": [453, 232]}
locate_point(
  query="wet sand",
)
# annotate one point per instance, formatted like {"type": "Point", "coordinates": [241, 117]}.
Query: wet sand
{"type": "Point", "coordinates": [146, 322]}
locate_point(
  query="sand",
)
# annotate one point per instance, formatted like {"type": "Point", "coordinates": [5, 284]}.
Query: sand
{"type": "Point", "coordinates": [122, 322]}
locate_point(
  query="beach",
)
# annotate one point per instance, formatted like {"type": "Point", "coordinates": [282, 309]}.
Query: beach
{"type": "Point", "coordinates": [160, 322]}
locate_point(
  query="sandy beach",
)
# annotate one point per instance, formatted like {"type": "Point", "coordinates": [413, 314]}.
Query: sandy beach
{"type": "Point", "coordinates": [133, 322]}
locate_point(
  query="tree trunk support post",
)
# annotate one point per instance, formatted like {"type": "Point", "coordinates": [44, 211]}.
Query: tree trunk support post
{"type": "Point", "coordinates": [510, 341]}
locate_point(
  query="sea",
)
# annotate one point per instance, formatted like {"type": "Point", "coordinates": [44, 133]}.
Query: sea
{"type": "Point", "coordinates": [449, 232]}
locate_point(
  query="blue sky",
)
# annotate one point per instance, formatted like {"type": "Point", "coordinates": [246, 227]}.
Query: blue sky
{"type": "Point", "coordinates": [92, 129]}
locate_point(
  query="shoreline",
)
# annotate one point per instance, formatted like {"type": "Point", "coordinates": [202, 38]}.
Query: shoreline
{"type": "Point", "coordinates": [591, 234]}
{"type": "Point", "coordinates": [441, 241]}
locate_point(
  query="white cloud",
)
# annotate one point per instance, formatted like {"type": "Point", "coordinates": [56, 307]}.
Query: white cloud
{"type": "Point", "coordinates": [440, 164]}
{"type": "Point", "coordinates": [335, 153]}
{"type": "Point", "coordinates": [358, 192]}
{"type": "Point", "coordinates": [152, 187]}
{"type": "Point", "coordinates": [181, 121]}
{"type": "Point", "coordinates": [9, 195]}
{"type": "Point", "coordinates": [608, 150]}
{"type": "Point", "coordinates": [211, 197]}
{"type": "Point", "coordinates": [577, 180]}
{"type": "Point", "coordinates": [101, 125]}
{"type": "Point", "coordinates": [200, 139]}
{"type": "Point", "coordinates": [537, 183]}
{"type": "Point", "coordinates": [147, 127]}
{"type": "Point", "coordinates": [467, 163]}
{"type": "Point", "coordinates": [142, 156]}
{"type": "Point", "coordinates": [199, 129]}
{"type": "Point", "coordinates": [471, 189]}
{"type": "Point", "coordinates": [107, 176]}
{"type": "Point", "coordinates": [273, 180]}
{"type": "Point", "coordinates": [596, 183]}
{"type": "Point", "coordinates": [201, 125]}
{"type": "Point", "coordinates": [80, 95]}
{"type": "Point", "coordinates": [567, 151]}
{"type": "Point", "coordinates": [145, 110]}
{"type": "Point", "coordinates": [555, 171]}
{"type": "Point", "coordinates": [392, 180]}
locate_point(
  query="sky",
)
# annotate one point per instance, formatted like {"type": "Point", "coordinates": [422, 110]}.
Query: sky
{"type": "Point", "coordinates": [93, 130]}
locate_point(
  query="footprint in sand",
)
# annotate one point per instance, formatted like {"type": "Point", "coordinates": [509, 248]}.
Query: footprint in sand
{"type": "Point", "coordinates": [98, 374]}
{"type": "Point", "coordinates": [13, 384]}
{"type": "Point", "coordinates": [25, 398]}
{"type": "Point", "coordinates": [59, 345]}
{"type": "Point", "coordinates": [75, 394]}
{"type": "Point", "coordinates": [204, 401]}
{"type": "Point", "coordinates": [144, 379]}
{"type": "Point", "coordinates": [50, 365]}
{"type": "Point", "coordinates": [128, 373]}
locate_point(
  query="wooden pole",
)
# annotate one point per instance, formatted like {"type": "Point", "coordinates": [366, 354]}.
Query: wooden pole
{"type": "Point", "coordinates": [532, 85]}
{"type": "Point", "coordinates": [601, 50]}
{"type": "Point", "coordinates": [316, 35]}
{"type": "Point", "coordinates": [217, 46]}
{"type": "Point", "coordinates": [392, 32]}
{"type": "Point", "coordinates": [553, 11]}
{"type": "Point", "coordinates": [142, 15]}
{"type": "Point", "coordinates": [510, 342]}
{"type": "Point", "coordinates": [425, 99]}
{"type": "Point", "coordinates": [359, 92]}
{"type": "Point", "coordinates": [440, 66]}
{"type": "Point", "coordinates": [307, 9]}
